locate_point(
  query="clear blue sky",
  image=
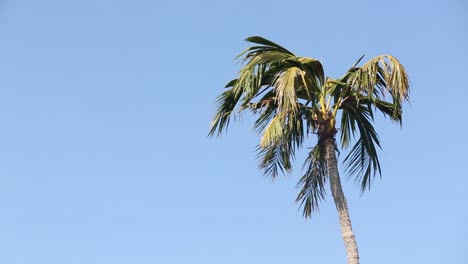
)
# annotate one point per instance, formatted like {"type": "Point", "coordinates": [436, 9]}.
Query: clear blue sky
{"type": "Point", "coordinates": [105, 108]}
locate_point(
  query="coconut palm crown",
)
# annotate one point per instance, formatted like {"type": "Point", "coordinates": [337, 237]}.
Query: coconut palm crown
{"type": "Point", "coordinates": [292, 98]}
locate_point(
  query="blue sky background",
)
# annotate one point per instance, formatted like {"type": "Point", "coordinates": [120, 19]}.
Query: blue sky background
{"type": "Point", "coordinates": [105, 108]}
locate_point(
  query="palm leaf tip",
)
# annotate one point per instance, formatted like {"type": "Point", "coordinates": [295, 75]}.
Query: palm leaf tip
{"type": "Point", "coordinates": [358, 61]}
{"type": "Point", "coordinates": [227, 102]}
{"type": "Point", "coordinates": [266, 42]}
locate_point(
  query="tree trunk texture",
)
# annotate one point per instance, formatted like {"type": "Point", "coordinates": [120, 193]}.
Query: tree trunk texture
{"type": "Point", "coordinates": [340, 202]}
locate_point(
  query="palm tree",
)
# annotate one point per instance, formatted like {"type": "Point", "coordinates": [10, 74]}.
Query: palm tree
{"type": "Point", "coordinates": [292, 98]}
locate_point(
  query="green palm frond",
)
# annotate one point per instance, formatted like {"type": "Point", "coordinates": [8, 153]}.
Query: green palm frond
{"type": "Point", "coordinates": [362, 160]}
{"type": "Point", "coordinates": [272, 70]}
{"type": "Point", "coordinates": [227, 102]}
{"type": "Point", "coordinates": [312, 183]}
{"type": "Point", "coordinates": [275, 66]}
{"type": "Point", "coordinates": [275, 160]}
{"type": "Point", "coordinates": [265, 45]}
{"type": "Point", "coordinates": [280, 139]}
{"type": "Point", "coordinates": [259, 72]}
{"type": "Point", "coordinates": [386, 108]}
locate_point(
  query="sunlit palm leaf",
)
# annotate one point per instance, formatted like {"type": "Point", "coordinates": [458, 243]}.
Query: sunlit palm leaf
{"type": "Point", "coordinates": [279, 143]}
{"type": "Point", "coordinates": [273, 133]}
{"type": "Point", "coordinates": [381, 76]}
{"type": "Point", "coordinates": [286, 85]}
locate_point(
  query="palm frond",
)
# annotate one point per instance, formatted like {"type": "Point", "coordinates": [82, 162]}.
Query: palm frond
{"type": "Point", "coordinates": [362, 160]}
{"type": "Point", "coordinates": [278, 145]}
{"type": "Point", "coordinates": [312, 183]}
{"type": "Point", "coordinates": [386, 108]}
{"type": "Point", "coordinates": [274, 71]}
{"type": "Point", "coordinates": [273, 65]}
{"type": "Point", "coordinates": [266, 43]}
{"type": "Point", "coordinates": [227, 101]}
{"type": "Point", "coordinates": [382, 76]}
{"type": "Point", "coordinates": [266, 108]}
{"type": "Point", "coordinates": [286, 85]}
{"type": "Point", "coordinates": [314, 69]}
{"type": "Point", "coordinates": [260, 71]}
{"type": "Point", "coordinates": [273, 133]}
{"type": "Point", "coordinates": [381, 84]}
{"type": "Point", "coordinates": [275, 159]}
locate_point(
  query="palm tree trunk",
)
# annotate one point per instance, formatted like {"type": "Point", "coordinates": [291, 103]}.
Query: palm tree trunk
{"type": "Point", "coordinates": [340, 202]}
